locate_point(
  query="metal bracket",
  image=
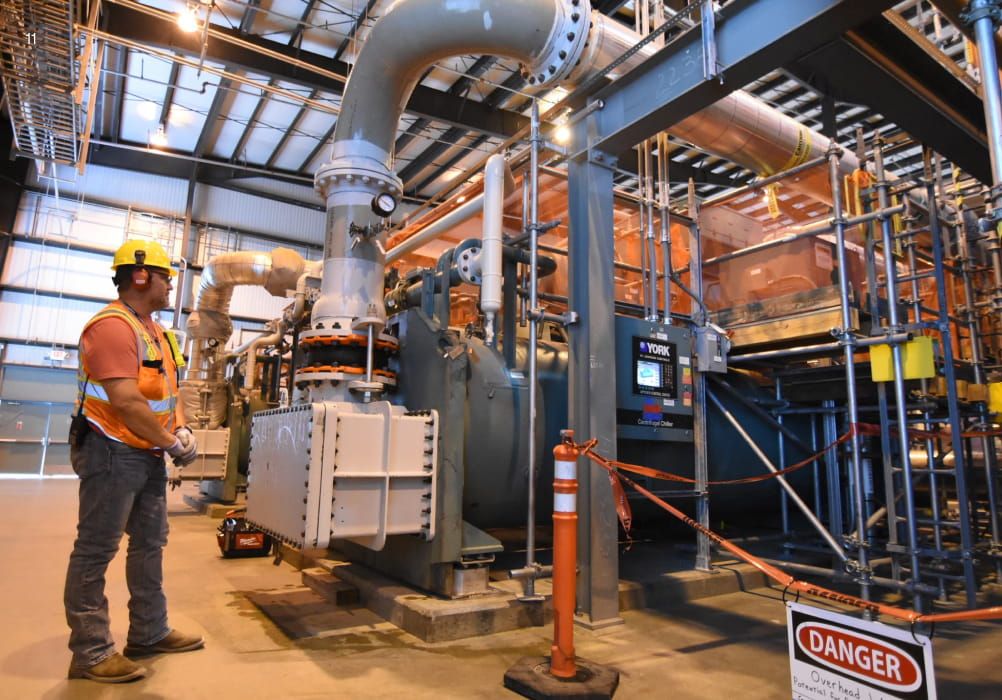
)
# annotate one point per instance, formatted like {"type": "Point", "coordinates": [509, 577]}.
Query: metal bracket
{"type": "Point", "coordinates": [711, 68]}
{"type": "Point", "coordinates": [544, 226]}
{"type": "Point", "coordinates": [565, 319]}
{"type": "Point", "coordinates": [986, 8]}
{"type": "Point", "coordinates": [602, 158]}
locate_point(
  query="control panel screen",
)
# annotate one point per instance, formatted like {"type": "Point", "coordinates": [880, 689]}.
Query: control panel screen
{"type": "Point", "coordinates": [649, 374]}
{"type": "Point", "coordinates": [654, 364]}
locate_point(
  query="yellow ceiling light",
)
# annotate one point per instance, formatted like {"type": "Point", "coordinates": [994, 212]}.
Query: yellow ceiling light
{"type": "Point", "coordinates": [187, 19]}
{"type": "Point", "coordinates": [159, 138]}
{"type": "Point", "coordinates": [562, 134]}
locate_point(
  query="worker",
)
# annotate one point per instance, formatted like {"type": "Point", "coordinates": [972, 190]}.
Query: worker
{"type": "Point", "coordinates": [127, 419]}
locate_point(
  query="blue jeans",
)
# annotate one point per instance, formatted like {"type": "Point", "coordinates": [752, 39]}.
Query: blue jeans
{"type": "Point", "coordinates": [122, 490]}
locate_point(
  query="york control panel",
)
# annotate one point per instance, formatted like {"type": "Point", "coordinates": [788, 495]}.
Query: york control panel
{"type": "Point", "coordinates": [653, 381]}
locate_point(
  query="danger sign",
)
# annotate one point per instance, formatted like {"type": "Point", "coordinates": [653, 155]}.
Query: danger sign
{"type": "Point", "coordinates": [837, 657]}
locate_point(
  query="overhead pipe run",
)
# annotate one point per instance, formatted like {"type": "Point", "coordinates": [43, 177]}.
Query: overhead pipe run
{"type": "Point", "coordinates": [499, 183]}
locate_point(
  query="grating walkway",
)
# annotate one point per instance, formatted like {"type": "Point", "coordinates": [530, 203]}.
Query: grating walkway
{"type": "Point", "coordinates": [37, 64]}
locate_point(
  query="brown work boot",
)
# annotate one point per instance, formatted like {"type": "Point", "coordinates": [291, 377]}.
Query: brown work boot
{"type": "Point", "coordinates": [115, 669]}
{"type": "Point", "coordinates": [173, 643]}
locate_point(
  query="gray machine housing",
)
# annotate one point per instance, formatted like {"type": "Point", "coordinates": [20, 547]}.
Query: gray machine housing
{"type": "Point", "coordinates": [653, 381]}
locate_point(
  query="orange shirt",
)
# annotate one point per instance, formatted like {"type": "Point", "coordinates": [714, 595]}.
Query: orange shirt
{"type": "Point", "coordinates": [109, 346]}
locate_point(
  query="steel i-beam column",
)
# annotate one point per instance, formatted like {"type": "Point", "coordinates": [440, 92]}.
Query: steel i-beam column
{"type": "Point", "coordinates": [593, 378]}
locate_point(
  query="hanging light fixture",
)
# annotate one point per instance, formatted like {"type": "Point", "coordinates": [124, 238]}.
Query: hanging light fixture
{"type": "Point", "coordinates": [187, 19]}
{"type": "Point", "coordinates": [159, 138]}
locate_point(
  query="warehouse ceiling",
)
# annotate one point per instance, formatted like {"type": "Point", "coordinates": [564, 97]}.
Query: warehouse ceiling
{"type": "Point", "coordinates": [257, 112]}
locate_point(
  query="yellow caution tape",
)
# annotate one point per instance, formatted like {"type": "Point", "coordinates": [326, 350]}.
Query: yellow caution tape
{"type": "Point", "coordinates": [772, 199]}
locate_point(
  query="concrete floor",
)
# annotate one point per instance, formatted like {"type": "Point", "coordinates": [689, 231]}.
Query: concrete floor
{"type": "Point", "coordinates": [729, 646]}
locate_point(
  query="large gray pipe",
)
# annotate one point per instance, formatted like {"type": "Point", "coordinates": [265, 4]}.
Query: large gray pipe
{"type": "Point", "coordinates": [548, 36]}
{"type": "Point", "coordinates": [556, 42]}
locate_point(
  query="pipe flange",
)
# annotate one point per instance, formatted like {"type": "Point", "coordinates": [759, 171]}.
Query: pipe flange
{"type": "Point", "coordinates": [357, 167]}
{"type": "Point", "coordinates": [564, 46]}
{"type": "Point", "coordinates": [467, 261]}
{"type": "Point", "coordinates": [979, 9]}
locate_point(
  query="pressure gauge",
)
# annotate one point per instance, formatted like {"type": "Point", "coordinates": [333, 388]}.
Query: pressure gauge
{"type": "Point", "coordinates": [384, 204]}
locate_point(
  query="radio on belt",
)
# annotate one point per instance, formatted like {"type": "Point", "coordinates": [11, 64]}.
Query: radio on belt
{"type": "Point", "coordinates": [653, 381]}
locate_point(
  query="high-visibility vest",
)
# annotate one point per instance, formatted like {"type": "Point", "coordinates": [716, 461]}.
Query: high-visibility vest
{"type": "Point", "coordinates": [157, 377]}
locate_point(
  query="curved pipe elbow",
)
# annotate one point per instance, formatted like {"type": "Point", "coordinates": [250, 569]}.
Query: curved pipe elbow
{"type": "Point", "coordinates": [414, 34]}
{"type": "Point", "coordinates": [277, 271]}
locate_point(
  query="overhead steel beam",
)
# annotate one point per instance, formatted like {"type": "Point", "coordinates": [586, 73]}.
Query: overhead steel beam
{"type": "Point", "coordinates": [293, 126]}
{"type": "Point", "coordinates": [458, 88]}
{"type": "Point", "coordinates": [354, 30]}
{"type": "Point", "coordinates": [117, 91]}
{"type": "Point", "coordinates": [208, 131]}
{"type": "Point", "coordinates": [752, 37]}
{"type": "Point", "coordinates": [497, 98]}
{"type": "Point", "coordinates": [326, 139]}
{"type": "Point", "coordinates": [175, 68]}
{"type": "Point", "coordinates": [140, 158]}
{"type": "Point", "coordinates": [425, 102]}
{"type": "Point", "coordinates": [877, 65]}
{"type": "Point", "coordinates": [249, 126]}
{"type": "Point", "coordinates": [217, 101]}
{"type": "Point", "coordinates": [449, 163]}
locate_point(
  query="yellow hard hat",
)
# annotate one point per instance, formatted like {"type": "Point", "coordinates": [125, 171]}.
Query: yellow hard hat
{"type": "Point", "coordinates": [140, 252]}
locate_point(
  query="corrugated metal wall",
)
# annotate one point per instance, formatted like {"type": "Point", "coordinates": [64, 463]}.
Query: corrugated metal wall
{"type": "Point", "coordinates": [57, 275]}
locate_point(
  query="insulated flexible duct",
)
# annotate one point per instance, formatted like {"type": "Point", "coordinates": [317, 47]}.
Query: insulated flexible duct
{"type": "Point", "coordinates": [209, 326]}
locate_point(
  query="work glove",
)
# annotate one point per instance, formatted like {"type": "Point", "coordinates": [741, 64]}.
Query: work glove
{"type": "Point", "coordinates": [184, 450]}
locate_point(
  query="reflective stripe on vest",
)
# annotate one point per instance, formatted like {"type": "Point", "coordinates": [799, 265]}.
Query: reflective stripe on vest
{"type": "Point", "coordinates": [157, 384]}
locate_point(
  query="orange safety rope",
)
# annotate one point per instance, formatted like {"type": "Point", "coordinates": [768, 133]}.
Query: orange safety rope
{"type": "Point", "coordinates": [668, 476]}
{"type": "Point", "coordinates": [789, 582]}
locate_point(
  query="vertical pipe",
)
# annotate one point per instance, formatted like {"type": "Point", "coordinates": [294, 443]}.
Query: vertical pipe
{"type": "Point", "coordinates": [784, 505]}
{"type": "Point", "coordinates": [832, 471]}
{"type": "Point", "coordinates": [702, 468]}
{"type": "Point", "coordinates": [664, 193]}
{"type": "Point", "coordinates": [960, 467]}
{"type": "Point", "coordinates": [369, 351]}
{"type": "Point", "coordinates": [189, 246]}
{"type": "Point", "coordinates": [652, 256]}
{"type": "Point", "coordinates": [900, 399]}
{"type": "Point", "coordinates": [815, 467]}
{"type": "Point", "coordinates": [642, 228]}
{"type": "Point", "coordinates": [565, 557]}
{"type": "Point", "coordinates": [530, 536]}
{"type": "Point", "coordinates": [991, 94]}
{"type": "Point", "coordinates": [848, 341]}
{"type": "Point", "coordinates": [523, 303]}
{"type": "Point", "coordinates": [984, 34]}
{"type": "Point", "coordinates": [910, 243]}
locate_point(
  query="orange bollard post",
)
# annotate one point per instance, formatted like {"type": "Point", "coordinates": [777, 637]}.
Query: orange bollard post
{"type": "Point", "coordinates": [563, 675]}
{"type": "Point", "coordinates": [565, 556]}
